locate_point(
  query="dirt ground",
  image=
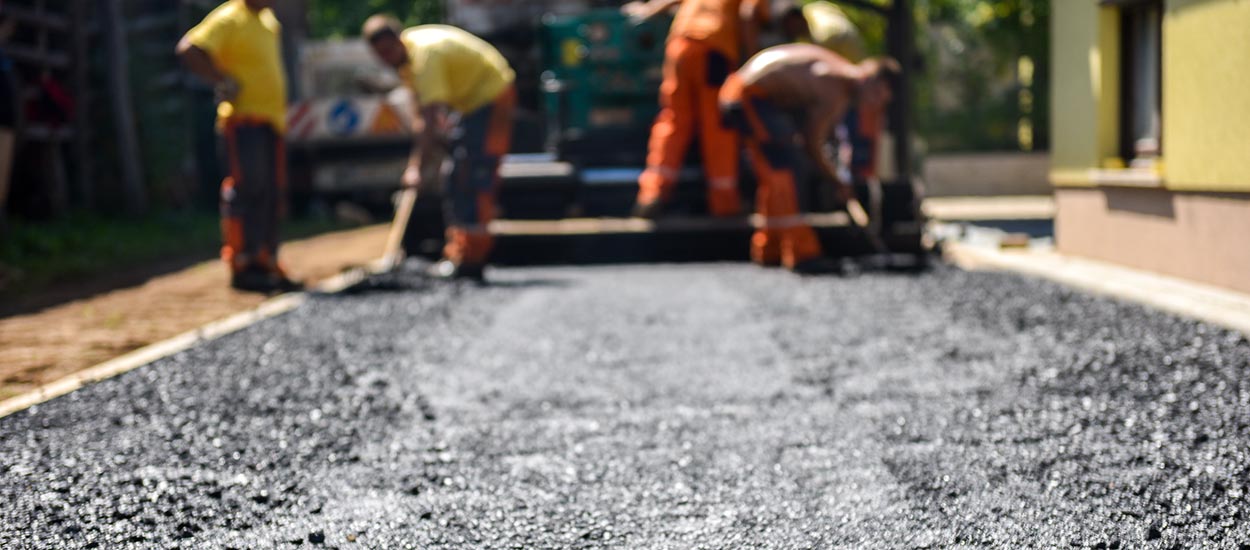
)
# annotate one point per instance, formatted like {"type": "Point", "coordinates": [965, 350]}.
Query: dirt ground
{"type": "Point", "coordinates": [43, 346]}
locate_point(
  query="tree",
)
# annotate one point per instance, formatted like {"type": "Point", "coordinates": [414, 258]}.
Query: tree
{"type": "Point", "coordinates": [985, 79]}
{"type": "Point", "coordinates": [986, 85]}
{"type": "Point", "coordinates": [338, 18]}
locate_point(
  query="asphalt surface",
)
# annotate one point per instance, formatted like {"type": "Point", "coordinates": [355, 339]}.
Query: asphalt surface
{"type": "Point", "coordinates": [699, 406]}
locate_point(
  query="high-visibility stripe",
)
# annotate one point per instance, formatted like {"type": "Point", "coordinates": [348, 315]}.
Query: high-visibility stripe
{"type": "Point", "coordinates": [664, 172]}
{"type": "Point", "coordinates": [783, 222]}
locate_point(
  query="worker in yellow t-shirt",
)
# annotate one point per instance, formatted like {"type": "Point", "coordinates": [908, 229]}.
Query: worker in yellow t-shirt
{"type": "Point", "coordinates": [449, 70]}
{"type": "Point", "coordinates": [236, 48]}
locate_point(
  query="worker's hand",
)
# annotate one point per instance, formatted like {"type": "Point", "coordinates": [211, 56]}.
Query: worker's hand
{"type": "Point", "coordinates": [843, 192]}
{"type": "Point", "coordinates": [412, 177]}
{"type": "Point", "coordinates": [226, 90]}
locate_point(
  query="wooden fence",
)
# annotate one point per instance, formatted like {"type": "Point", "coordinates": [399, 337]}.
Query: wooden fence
{"type": "Point", "coordinates": [111, 121]}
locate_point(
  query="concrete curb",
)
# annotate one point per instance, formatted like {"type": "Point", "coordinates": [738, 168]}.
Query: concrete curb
{"type": "Point", "coordinates": [1185, 298]}
{"type": "Point", "coordinates": [149, 354]}
{"type": "Point", "coordinates": [965, 209]}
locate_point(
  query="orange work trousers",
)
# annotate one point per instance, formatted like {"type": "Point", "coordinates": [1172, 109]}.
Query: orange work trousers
{"type": "Point", "coordinates": [785, 237]}
{"type": "Point", "coordinates": [252, 195]}
{"type": "Point", "coordinates": [478, 146]}
{"type": "Point", "coordinates": [693, 75]}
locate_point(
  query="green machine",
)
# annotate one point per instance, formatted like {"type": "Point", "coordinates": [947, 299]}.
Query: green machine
{"type": "Point", "coordinates": [600, 82]}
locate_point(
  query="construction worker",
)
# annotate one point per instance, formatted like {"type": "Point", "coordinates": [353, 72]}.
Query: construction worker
{"type": "Point", "coordinates": [705, 44]}
{"type": "Point", "coordinates": [449, 70]}
{"type": "Point", "coordinates": [826, 25]}
{"type": "Point", "coordinates": [236, 49]}
{"type": "Point", "coordinates": [782, 94]}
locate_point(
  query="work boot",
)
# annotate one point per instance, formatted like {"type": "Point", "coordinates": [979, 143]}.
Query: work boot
{"type": "Point", "coordinates": [258, 279]}
{"type": "Point", "coordinates": [283, 284]}
{"type": "Point", "coordinates": [252, 279]}
{"type": "Point", "coordinates": [768, 262]}
{"type": "Point", "coordinates": [446, 269]}
{"type": "Point", "coordinates": [819, 266]}
{"type": "Point", "coordinates": [649, 210]}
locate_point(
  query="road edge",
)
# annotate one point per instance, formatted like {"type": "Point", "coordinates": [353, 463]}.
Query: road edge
{"type": "Point", "coordinates": [151, 353]}
{"type": "Point", "coordinates": [1218, 306]}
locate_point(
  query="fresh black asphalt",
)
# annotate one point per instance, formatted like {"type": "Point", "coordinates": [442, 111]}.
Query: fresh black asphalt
{"type": "Point", "coordinates": [692, 406]}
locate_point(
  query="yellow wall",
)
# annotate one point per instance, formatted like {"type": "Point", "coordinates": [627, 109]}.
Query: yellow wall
{"type": "Point", "coordinates": [1206, 95]}
{"type": "Point", "coordinates": [1206, 86]}
{"type": "Point", "coordinates": [1074, 90]}
{"type": "Point", "coordinates": [1085, 114]}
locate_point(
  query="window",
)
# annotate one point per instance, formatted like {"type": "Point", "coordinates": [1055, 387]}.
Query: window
{"type": "Point", "coordinates": [1141, 106]}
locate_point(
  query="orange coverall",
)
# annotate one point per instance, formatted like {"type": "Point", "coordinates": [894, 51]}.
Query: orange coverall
{"type": "Point", "coordinates": [785, 238]}
{"type": "Point", "coordinates": [704, 48]}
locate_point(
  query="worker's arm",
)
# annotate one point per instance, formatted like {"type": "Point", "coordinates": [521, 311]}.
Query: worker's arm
{"type": "Point", "coordinates": [819, 129]}
{"type": "Point", "coordinates": [200, 62]}
{"type": "Point", "coordinates": [426, 148]}
{"type": "Point", "coordinates": [645, 11]}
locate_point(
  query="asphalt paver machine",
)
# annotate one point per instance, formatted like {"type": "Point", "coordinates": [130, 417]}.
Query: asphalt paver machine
{"type": "Point", "coordinates": [588, 79]}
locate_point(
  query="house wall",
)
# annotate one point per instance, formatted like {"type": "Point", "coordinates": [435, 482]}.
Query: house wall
{"type": "Point", "coordinates": [1206, 110]}
{"type": "Point", "coordinates": [1190, 215]}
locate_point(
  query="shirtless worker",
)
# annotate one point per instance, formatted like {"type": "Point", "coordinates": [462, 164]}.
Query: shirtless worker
{"type": "Point", "coordinates": [237, 49]}
{"type": "Point", "coordinates": [790, 92]}
{"type": "Point", "coordinates": [448, 70]}
{"type": "Point", "coordinates": [824, 24]}
{"type": "Point", "coordinates": [707, 40]}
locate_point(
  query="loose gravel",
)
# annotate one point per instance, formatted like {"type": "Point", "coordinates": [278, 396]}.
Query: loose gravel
{"type": "Point", "coordinates": [704, 406]}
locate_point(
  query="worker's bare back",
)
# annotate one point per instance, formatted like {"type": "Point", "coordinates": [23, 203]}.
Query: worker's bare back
{"type": "Point", "coordinates": [802, 76]}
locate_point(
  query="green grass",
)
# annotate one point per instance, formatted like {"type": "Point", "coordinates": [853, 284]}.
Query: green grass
{"type": "Point", "coordinates": [36, 255]}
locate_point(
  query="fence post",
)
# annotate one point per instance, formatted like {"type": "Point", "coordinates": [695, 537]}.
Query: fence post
{"type": "Point", "coordinates": [123, 111]}
{"type": "Point", "coordinates": [80, 84]}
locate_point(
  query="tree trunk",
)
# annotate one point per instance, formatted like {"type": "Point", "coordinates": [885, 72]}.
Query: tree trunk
{"type": "Point", "coordinates": [80, 83]}
{"type": "Point", "coordinates": [123, 111]}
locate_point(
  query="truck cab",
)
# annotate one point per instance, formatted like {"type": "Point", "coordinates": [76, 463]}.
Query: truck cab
{"type": "Point", "coordinates": [349, 135]}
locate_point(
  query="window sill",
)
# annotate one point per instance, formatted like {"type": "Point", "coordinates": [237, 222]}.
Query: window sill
{"type": "Point", "coordinates": [1127, 177]}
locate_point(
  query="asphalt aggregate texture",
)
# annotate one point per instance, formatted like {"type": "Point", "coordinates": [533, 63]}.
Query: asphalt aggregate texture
{"type": "Point", "coordinates": [678, 406]}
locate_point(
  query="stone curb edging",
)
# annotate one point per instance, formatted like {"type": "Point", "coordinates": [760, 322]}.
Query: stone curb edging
{"type": "Point", "coordinates": [1211, 304]}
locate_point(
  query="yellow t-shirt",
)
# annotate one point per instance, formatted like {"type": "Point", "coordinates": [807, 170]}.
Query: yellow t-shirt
{"type": "Point", "coordinates": [833, 30]}
{"type": "Point", "coordinates": [449, 65]}
{"type": "Point", "coordinates": [246, 45]}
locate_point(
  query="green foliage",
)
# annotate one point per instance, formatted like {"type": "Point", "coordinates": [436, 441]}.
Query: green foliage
{"type": "Point", "coordinates": [340, 18]}
{"type": "Point", "coordinates": [987, 72]}
{"type": "Point", "coordinates": [35, 255]}
{"type": "Point", "coordinates": [970, 95]}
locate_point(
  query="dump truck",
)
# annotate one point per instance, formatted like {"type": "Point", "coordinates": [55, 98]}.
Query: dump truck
{"type": "Point", "coordinates": [349, 134]}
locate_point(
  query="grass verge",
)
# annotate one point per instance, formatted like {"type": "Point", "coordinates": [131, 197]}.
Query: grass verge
{"type": "Point", "coordinates": [34, 256]}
